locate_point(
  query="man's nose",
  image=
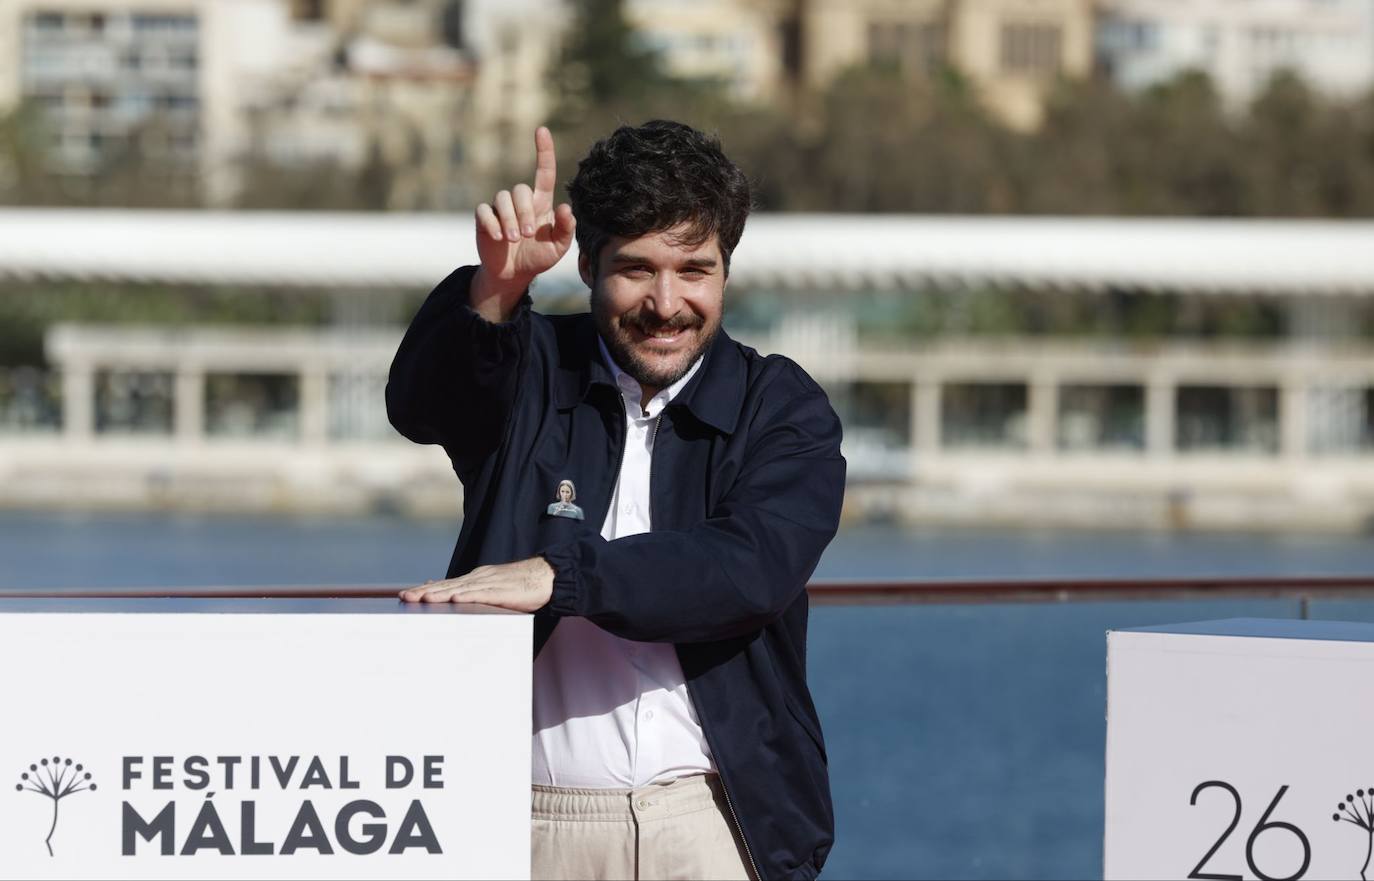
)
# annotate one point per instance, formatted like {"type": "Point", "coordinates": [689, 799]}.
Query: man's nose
{"type": "Point", "coordinates": [665, 300]}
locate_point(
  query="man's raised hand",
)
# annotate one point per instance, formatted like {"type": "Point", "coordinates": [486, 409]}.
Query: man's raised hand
{"type": "Point", "coordinates": [519, 235]}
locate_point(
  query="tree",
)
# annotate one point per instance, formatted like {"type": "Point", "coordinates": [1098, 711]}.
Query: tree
{"type": "Point", "coordinates": [1307, 157]}
{"type": "Point", "coordinates": [23, 176]}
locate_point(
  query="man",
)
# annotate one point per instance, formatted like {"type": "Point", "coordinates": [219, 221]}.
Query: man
{"type": "Point", "coordinates": [674, 734]}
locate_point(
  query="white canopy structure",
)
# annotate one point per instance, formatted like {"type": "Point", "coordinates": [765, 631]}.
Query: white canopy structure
{"type": "Point", "coordinates": [794, 252]}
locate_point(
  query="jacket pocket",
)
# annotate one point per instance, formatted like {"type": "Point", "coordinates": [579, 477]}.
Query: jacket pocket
{"type": "Point", "coordinates": [552, 530]}
{"type": "Point", "coordinates": [806, 723]}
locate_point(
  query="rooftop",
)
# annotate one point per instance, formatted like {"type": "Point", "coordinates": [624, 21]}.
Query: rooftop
{"type": "Point", "coordinates": [791, 252]}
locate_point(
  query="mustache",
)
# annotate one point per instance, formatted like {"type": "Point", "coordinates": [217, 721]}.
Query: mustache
{"type": "Point", "coordinates": [649, 325]}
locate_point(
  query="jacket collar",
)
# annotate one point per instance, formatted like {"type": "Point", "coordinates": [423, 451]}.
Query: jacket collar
{"type": "Point", "coordinates": [713, 395]}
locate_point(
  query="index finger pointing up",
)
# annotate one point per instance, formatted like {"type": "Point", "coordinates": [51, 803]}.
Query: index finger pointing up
{"type": "Point", "coordinates": [545, 166]}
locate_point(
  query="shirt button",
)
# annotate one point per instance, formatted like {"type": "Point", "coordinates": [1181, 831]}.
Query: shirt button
{"type": "Point", "coordinates": [643, 805]}
{"type": "Point", "coordinates": [648, 714]}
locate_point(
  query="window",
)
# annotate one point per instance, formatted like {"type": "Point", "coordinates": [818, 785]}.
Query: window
{"type": "Point", "coordinates": [1340, 419]}
{"type": "Point", "coordinates": [911, 47]}
{"type": "Point", "coordinates": [49, 21]}
{"type": "Point", "coordinates": [178, 102]}
{"type": "Point", "coordinates": [983, 415]}
{"type": "Point", "coordinates": [1136, 35]}
{"type": "Point", "coordinates": [1101, 417]}
{"type": "Point", "coordinates": [1227, 418]}
{"type": "Point", "coordinates": [307, 10]}
{"type": "Point", "coordinates": [163, 23]}
{"type": "Point", "coordinates": [451, 24]}
{"type": "Point", "coordinates": [790, 41]}
{"type": "Point", "coordinates": [243, 405]}
{"type": "Point", "coordinates": [1031, 48]}
{"type": "Point", "coordinates": [133, 402]}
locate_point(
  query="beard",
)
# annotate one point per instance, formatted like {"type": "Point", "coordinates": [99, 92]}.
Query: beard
{"type": "Point", "coordinates": [623, 335]}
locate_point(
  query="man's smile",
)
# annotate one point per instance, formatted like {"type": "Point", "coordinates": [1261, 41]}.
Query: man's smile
{"type": "Point", "coordinates": [665, 338]}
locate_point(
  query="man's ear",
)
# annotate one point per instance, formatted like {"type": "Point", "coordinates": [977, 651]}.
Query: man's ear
{"type": "Point", "coordinates": [584, 268]}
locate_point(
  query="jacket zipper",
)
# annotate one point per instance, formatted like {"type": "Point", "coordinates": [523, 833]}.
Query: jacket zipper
{"type": "Point", "coordinates": [620, 459]}
{"type": "Point", "coordinates": [740, 829]}
{"type": "Point", "coordinates": [729, 803]}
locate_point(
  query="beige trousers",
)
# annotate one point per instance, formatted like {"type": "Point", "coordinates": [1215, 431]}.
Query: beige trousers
{"type": "Point", "coordinates": [678, 830]}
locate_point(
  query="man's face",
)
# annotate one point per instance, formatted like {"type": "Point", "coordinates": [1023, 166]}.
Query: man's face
{"type": "Point", "coordinates": [657, 303]}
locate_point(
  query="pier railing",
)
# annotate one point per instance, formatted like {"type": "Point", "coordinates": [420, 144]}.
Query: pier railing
{"type": "Point", "coordinates": [865, 593]}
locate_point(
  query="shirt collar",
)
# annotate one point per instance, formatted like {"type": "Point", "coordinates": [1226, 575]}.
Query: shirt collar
{"type": "Point", "coordinates": [714, 396]}
{"type": "Point", "coordinates": [630, 388]}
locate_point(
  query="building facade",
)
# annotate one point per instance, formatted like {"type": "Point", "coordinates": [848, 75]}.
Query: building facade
{"type": "Point", "coordinates": [1012, 50]}
{"type": "Point", "coordinates": [213, 89]}
{"type": "Point", "coordinates": [949, 420]}
{"type": "Point", "coordinates": [160, 79]}
{"type": "Point", "coordinates": [735, 43]}
{"type": "Point", "coordinates": [1240, 44]}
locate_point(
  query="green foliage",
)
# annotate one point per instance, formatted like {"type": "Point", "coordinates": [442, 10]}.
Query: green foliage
{"type": "Point", "coordinates": [874, 140]}
{"type": "Point", "coordinates": [127, 176]}
{"type": "Point", "coordinates": [603, 62]}
{"type": "Point", "coordinates": [1133, 316]}
{"type": "Point", "coordinates": [606, 76]}
{"type": "Point", "coordinates": [871, 140]}
{"type": "Point", "coordinates": [27, 309]}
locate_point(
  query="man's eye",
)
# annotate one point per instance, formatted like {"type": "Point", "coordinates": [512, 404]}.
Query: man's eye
{"type": "Point", "coordinates": [637, 271]}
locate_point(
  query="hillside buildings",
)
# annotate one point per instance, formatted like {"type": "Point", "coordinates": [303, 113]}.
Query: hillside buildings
{"type": "Point", "coordinates": [1240, 44]}
{"type": "Point", "coordinates": [421, 102]}
{"type": "Point", "coordinates": [1011, 50]}
{"type": "Point", "coordinates": [210, 88]}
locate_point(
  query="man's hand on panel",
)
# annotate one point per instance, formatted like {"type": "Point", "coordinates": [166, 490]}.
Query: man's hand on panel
{"type": "Point", "coordinates": [523, 586]}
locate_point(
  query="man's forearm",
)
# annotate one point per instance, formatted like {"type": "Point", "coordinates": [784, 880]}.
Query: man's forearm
{"type": "Point", "coordinates": [455, 375]}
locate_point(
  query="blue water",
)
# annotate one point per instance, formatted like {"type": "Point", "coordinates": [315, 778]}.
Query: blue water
{"type": "Point", "coordinates": [127, 550]}
{"type": "Point", "coordinates": [964, 741]}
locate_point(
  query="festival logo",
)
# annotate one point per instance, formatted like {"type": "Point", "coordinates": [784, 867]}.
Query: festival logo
{"type": "Point", "coordinates": [55, 779]}
{"type": "Point", "coordinates": [1358, 810]}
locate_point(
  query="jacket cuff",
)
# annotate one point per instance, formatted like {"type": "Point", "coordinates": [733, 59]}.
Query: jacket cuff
{"type": "Point", "coordinates": [460, 282]}
{"type": "Point", "coordinates": [487, 341]}
{"type": "Point", "coordinates": [566, 588]}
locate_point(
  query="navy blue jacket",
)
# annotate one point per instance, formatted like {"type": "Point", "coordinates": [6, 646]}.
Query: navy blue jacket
{"type": "Point", "coordinates": [746, 486]}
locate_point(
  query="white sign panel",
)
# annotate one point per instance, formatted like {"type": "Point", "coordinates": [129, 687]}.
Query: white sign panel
{"type": "Point", "coordinates": [1241, 749]}
{"type": "Point", "coordinates": [300, 739]}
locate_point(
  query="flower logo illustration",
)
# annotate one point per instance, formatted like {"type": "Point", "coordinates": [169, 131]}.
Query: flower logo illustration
{"type": "Point", "coordinates": [1358, 810]}
{"type": "Point", "coordinates": [56, 779]}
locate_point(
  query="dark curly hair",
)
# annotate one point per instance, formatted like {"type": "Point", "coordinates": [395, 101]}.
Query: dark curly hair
{"type": "Point", "coordinates": [649, 178]}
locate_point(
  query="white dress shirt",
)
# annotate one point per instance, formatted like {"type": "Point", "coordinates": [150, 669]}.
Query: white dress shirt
{"type": "Point", "coordinates": [611, 713]}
